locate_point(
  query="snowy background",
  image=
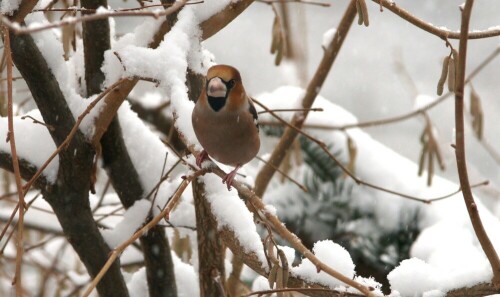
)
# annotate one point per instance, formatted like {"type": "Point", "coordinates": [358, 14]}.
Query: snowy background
{"type": "Point", "coordinates": [363, 84]}
{"type": "Point", "coordinates": [364, 79]}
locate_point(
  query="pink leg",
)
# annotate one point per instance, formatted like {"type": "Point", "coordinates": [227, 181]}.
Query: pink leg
{"type": "Point", "coordinates": [201, 157]}
{"type": "Point", "coordinates": [229, 178]}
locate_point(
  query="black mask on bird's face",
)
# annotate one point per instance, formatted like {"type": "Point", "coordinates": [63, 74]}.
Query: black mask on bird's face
{"type": "Point", "coordinates": [217, 92]}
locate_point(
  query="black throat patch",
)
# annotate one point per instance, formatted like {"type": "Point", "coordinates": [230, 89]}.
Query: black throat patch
{"type": "Point", "coordinates": [217, 102]}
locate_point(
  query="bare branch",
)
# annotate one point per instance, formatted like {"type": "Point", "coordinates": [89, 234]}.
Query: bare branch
{"type": "Point", "coordinates": [349, 173]}
{"type": "Point", "coordinates": [14, 27]}
{"type": "Point", "coordinates": [164, 213]}
{"type": "Point", "coordinates": [442, 33]}
{"type": "Point", "coordinates": [481, 234]}
{"type": "Point", "coordinates": [289, 135]}
{"type": "Point", "coordinates": [210, 247]}
{"type": "Point", "coordinates": [15, 163]}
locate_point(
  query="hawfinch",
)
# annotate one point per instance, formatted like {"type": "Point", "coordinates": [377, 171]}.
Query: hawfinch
{"type": "Point", "coordinates": [225, 121]}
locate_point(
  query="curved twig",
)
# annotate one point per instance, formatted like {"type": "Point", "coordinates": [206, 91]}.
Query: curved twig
{"type": "Point", "coordinates": [405, 116]}
{"type": "Point", "coordinates": [442, 33]}
{"type": "Point", "coordinates": [264, 177]}
{"type": "Point", "coordinates": [14, 27]}
{"type": "Point", "coordinates": [481, 234]}
{"type": "Point", "coordinates": [70, 136]}
{"type": "Point", "coordinates": [359, 181]}
{"type": "Point", "coordinates": [164, 213]}
{"type": "Point", "coordinates": [15, 162]}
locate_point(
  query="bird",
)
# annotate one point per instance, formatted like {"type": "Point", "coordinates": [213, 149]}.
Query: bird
{"type": "Point", "coordinates": [225, 121]}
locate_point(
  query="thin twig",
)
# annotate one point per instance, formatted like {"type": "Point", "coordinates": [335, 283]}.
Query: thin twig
{"type": "Point", "coordinates": [358, 181]}
{"type": "Point", "coordinates": [281, 229]}
{"type": "Point", "coordinates": [41, 243]}
{"type": "Point", "coordinates": [300, 290]}
{"type": "Point", "coordinates": [101, 198]}
{"type": "Point", "coordinates": [302, 187]}
{"type": "Point", "coordinates": [9, 221]}
{"type": "Point", "coordinates": [13, 79]}
{"type": "Point", "coordinates": [35, 121]}
{"type": "Point", "coordinates": [266, 173]}
{"type": "Point", "coordinates": [14, 27]}
{"type": "Point", "coordinates": [118, 250]}
{"type": "Point", "coordinates": [481, 234]}
{"type": "Point", "coordinates": [109, 214]}
{"type": "Point", "coordinates": [292, 110]}
{"type": "Point", "coordinates": [402, 117]}
{"type": "Point", "coordinates": [317, 3]}
{"type": "Point", "coordinates": [15, 165]}
{"type": "Point", "coordinates": [161, 178]}
{"type": "Point", "coordinates": [426, 26]}
{"type": "Point", "coordinates": [7, 195]}
{"type": "Point", "coordinates": [18, 224]}
{"type": "Point", "coordinates": [72, 133]}
{"type": "Point", "coordinates": [83, 9]}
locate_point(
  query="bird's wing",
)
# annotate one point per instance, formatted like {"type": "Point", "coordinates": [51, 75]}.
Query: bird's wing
{"type": "Point", "coordinates": [253, 111]}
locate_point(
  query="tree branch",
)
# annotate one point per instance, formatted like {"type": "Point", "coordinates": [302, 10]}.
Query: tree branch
{"type": "Point", "coordinates": [121, 171]}
{"type": "Point", "coordinates": [96, 41]}
{"type": "Point", "coordinates": [68, 197]}
{"type": "Point", "coordinates": [220, 20]}
{"type": "Point", "coordinates": [481, 234]}
{"type": "Point", "coordinates": [113, 258]}
{"type": "Point", "coordinates": [251, 260]}
{"type": "Point", "coordinates": [479, 290]}
{"type": "Point", "coordinates": [24, 9]}
{"type": "Point", "coordinates": [210, 248]}
{"type": "Point", "coordinates": [15, 165]}
{"type": "Point", "coordinates": [264, 177]}
{"type": "Point", "coordinates": [44, 88]}
{"type": "Point", "coordinates": [209, 28]}
{"type": "Point", "coordinates": [26, 168]}
{"type": "Point", "coordinates": [442, 33]}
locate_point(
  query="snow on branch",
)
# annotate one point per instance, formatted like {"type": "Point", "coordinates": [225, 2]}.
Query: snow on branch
{"type": "Point", "coordinates": [382, 166]}
{"type": "Point", "coordinates": [35, 145]}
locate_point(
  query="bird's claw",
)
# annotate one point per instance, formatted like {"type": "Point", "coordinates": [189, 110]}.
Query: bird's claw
{"type": "Point", "coordinates": [201, 158]}
{"type": "Point", "coordinates": [229, 178]}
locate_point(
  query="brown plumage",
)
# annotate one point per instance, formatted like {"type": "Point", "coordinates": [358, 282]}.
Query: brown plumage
{"type": "Point", "coordinates": [225, 121]}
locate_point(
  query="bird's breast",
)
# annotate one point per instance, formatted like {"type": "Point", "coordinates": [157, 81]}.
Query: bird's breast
{"type": "Point", "coordinates": [230, 138]}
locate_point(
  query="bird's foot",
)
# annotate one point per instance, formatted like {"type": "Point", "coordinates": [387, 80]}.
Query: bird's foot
{"type": "Point", "coordinates": [229, 178]}
{"type": "Point", "coordinates": [201, 158]}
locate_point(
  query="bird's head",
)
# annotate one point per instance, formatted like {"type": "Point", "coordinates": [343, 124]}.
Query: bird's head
{"type": "Point", "coordinates": [224, 88]}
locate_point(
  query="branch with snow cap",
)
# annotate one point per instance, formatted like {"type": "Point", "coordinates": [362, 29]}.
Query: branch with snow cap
{"type": "Point", "coordinates": [278, 226]}
{"type": "Point", "coordinates": [116, 252]}
{"type": "Point", "coordinates": [232, 240]}
{"type": "Point", "coordinates": [209, 25]}
{"type": "Point", "coordinates": [73, 185]}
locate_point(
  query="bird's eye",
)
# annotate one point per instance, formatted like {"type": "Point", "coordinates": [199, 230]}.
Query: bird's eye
{"type": "Point", "coordinates": [230, 84]}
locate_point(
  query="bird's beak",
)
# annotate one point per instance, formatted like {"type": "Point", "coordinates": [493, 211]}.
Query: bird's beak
{"type": "Point", "coordinates": [216, 88]}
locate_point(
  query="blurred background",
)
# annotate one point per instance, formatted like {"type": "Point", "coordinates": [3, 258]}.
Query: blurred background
{"type": "Point", "coordinates": [378, 74]}
{"type": "Point", "coordinates": [365, 79]}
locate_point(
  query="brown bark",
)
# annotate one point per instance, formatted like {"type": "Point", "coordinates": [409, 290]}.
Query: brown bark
{"type": "Point", "coordinates": [210, 248]}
